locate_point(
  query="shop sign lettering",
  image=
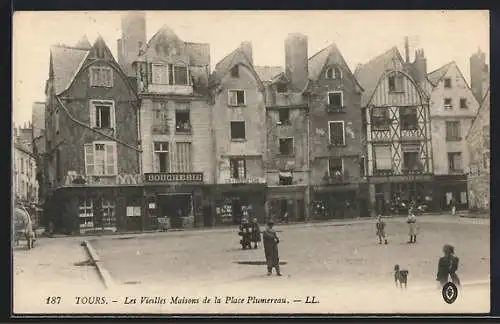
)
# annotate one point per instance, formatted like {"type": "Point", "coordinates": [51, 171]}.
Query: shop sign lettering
{"type": "Point", "coordinates": [248, 180]}
{"type": "Point", "coordinates": [189, 177]}
{"type": "Point", "coordinates": [120, 179]}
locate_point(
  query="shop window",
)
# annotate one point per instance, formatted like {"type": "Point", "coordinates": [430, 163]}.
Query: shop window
{"type": "Point", "coordinates": [161, 161]}
{"type": "Point", "coordinates": [238, 168]}
{"type": "Point", "coordinates": [86, 213]}
{"type": "Point", "coordinates": [108, 213]}
{"type": "Point", "coordinates": [182, 122]}
{"type": "Point", "coordinates": [286, 146]}
{"type": "Point", "coordinates": [184, 156]}
{"type": "Point", "coordinates": [238, 130]}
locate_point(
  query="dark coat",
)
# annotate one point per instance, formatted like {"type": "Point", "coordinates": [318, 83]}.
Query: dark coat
{"type": "Point", "coordinates": [255, 235]}
{"type": "Point", "coordinates": [271, 241]}
{"type": "Point", "coordinates": [447, 267]}
{"type": "Point", "coordinates": [245, 232]}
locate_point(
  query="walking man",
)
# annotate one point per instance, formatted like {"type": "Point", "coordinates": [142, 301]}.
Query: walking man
{"type": "Point", "coordinates": [380, 225]}
{"type": "Point", "coordinates": [271, 242]}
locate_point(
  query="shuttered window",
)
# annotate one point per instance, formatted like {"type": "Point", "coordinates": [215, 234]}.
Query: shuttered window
{"type": "Point", "coordinates": [383, 158]}
{"type": "Point", "coordinates": [337, 132]}
{"type": "Point", "coordinates": [183, 157]}
{"type": "Point", "coordinates": [100, 158]}
{"type": "Point", "coordinates": [159, 74]}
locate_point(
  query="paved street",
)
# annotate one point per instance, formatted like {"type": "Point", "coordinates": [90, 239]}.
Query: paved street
{"type": "Point", "coordinates": [341, 263]}
{"type": "Point", "coordinates": [49, 270]}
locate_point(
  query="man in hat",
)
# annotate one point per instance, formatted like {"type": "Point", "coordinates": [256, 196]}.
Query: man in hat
{"type": "Point", "coordinates": [255, 235]}
{"type": "Point", "coordinates": [380, 226]}
{"type": "Point", "coordinates": [245, 233]}
{"type": "Point", "coordinates": [271, 241]}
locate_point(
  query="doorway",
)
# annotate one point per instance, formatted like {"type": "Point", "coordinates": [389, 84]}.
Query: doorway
{"type": "Point", "coordinates": [176, 207]}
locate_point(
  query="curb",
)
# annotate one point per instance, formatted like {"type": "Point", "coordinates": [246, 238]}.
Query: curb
{"type": "Point", "coordinates": [103, 273]}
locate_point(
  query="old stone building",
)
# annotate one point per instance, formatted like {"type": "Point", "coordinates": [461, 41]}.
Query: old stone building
{"type": "Point", "coordinates": [239, 129]}
{"type": "Point", "coordinates": [397, 133]}
{"type": "Point", "coordinates": [452, 109]}
{"type": "Point", "coordinates": [336, 155]}
{"type": "Point", "coordinates": [287, 118]}
{"type": "Point", "coordinates": [175, 122]}
{"type": "Point", "coordinates": [25, 182]}
{"type": "Point", "coordinates": [91, 145]}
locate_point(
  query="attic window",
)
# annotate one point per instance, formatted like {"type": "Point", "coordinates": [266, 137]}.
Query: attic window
{"type": "Point", "coordinates": [396, 83]}
{"type": "Point", "coordinates": [101, 76]}
{"type": "Point", "coordinates": [281, 87]}
{"type": "Point", "coordinates": [333, 73]}
{"type": "Point", "coordinates": [235, 72]}
{"type": "Point", "coordinates": [447, 83]}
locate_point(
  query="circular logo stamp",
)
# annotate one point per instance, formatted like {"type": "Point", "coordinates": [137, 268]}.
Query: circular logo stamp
{"type": "Point", "coordinates": [450, 292]}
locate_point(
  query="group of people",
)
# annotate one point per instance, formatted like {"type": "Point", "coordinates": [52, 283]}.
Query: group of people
{"type": "Point", "coordinates": [250, 234]}
{"type": "Point", "coordinates": [447, 265]}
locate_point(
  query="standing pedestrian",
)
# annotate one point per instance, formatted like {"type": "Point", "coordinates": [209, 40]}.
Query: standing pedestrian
{"type": "Point", "coordinates": [447, 266]}
{"type": "Point", "coordinates": [380, 225]}
{"type": "Point", "coordinates": [245, 233]}
{"type": "Point", "coordinates": [255, 235]}
{"type": "Point", "coordinates": [412, 226]}
{"type": "Point", "coordinates": [271, 242]}
{"type": "Point", "coordinates": [453, 206]}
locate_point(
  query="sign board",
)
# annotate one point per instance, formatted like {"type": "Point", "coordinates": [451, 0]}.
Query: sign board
{"type": "Point", "coordinates": [103, 180]}
{"type": "Point", "coordinates": [247, 180]}
{"type": "Point", "coordinates": [186, 177]}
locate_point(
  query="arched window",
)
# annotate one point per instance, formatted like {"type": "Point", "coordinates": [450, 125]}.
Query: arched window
{"type": "Point", "coordinates": [337, 73]}
{"type": "Point", "coordinates": [329, 73]}
{"type": "Point", "coordinates": [333, 73]}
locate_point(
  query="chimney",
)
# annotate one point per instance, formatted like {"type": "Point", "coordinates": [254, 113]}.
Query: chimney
{"type": "Point", "coordinates": [420, 67]}
{"type": "Point", "coordinates": [133, 31]}
{"type": "Point", "coordinates": [477, 74]}
{"type": "Point", "coordinates": [407, 50]}
{"type": "Point", "coordinates": [296, 60]}
{"type": "Point", "coordinates": [246, 47]}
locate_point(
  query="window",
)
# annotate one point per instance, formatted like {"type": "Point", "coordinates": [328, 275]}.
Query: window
{"type": "Point", "coordinates": [237, 98]}
{"type": "Point", "coordinates": [235, 72]}
{"type": "Point", "coordinates": [238, 168]}
{"type": "Point", "coordinates": [335, 167]}
{"type": "Point", "coordinates": [238, 130]}
{"type": "Point", "coordinates": [281, 87]}
{"type": "Point", "coordinates": [100, 158]}
{"type": "Point", "coordinates": [448, 104]}
{"type": "Point", "coordinates": [337, 132]}
{"type": "Point", "coordinates": [411, 161]}
{"type": "Point", "coordinates": [160, 117]}
{"type": "Point", "coordinates": [184, 160]}
{"type": "Point", "coordinates": [286, 146]}
{"type": "Point", "coordinates": [463, 103]}
{"type": "Point", "coordinates": [285, 178]}
{"type": "Point", "coordinates": [108, 213]}
{"type": "Point", "coordinates": [161, 157]}
{"type": "Point", "coordinates": [455, 162]}
{"type": "Point", "coordinates": [408, 116]}
{"type": "Point", "coordinates": [380, 118]}
{"type": "Point", "coordinates": [102, 114]}
{"type": "Point", "coordinates": [333, 73]}
{"type": "Point", "coordinates": [182, 122]}
{"type": "Point", "coordinates": [159, 74]}
{"type": "Point", "coordinates": [86, 213]}
{"type": "Point", "coordinates": [447, 83]}
{"type": "Point", "coordinates": [284, 115]}
{"type": "Point", "coordinates": [383, 158]}
{"type": "Point", "coordinates": [396, 83]}
{"type": "Point", "coordinates": [362, 167]}
{"type": "Point", "coordinates": [101, 77]}
{"type": "Point", "coordinates": [335, 99]}
{"type": "Point", "coordinates": [181, 75]}
{"type": "Point", "coordinates": [453, 131]}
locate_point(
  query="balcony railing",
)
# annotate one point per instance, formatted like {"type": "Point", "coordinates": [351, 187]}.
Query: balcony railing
{"type": "Point", "coordinates": [335, 109]}
{"type": "Point", "coordinates": [336, 178]}
{"type": "Point", "coordinates": [160, 129]}
{"type": "Point", "coordinates": [183, 128]}
{"type": "Point", "coordinates": [408, 171]}
{"type": "Point", "coordinates": [382, 173]}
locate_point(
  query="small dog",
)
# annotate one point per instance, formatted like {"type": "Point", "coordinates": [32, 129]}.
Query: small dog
{"type": "Point", "coordinates": [400, 276]}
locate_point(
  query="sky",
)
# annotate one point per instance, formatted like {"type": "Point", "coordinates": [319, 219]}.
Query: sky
{"type": "Point", "coordinates": [360, 35]}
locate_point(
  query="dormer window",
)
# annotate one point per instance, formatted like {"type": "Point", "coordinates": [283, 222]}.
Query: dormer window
{"type": "Point", "coordinates": [396, 83]}
{"type": "Point", "coordinates": [333, 73]}
{"type": "Point", "coordinates": [169, 74]}
{"type": "Point", "coordinates": [281, 87]}
{"type": "Point", "coordinates": [235, 72]}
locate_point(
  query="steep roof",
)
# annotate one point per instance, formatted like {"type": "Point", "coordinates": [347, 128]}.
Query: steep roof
{"type": "Point", "coordinates": [483, 107]}
{"type": "Point", "coordinates": [224, 66]}
{"type": "Point", "coordinates": [368, 74]}
{"type": "Point", "coordinates": [268, 73]}
{"type": "Point", "coordinates": [317, 62]}
{"type": "Point", "coordinates": [65, 62]}
{"type": "Point", "coordinates": [83, 43]}
{"type": "Point", "coordinates": [437, 75]}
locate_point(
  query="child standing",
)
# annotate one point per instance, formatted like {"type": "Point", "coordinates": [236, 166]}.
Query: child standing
{"type": "Point", "coordinates": [380, 225]}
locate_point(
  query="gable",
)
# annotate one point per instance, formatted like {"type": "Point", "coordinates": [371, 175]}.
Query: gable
{"type": "Point", "coordinates": [65, 62]}
{"type": "Point", "coordinates": [223, 68]}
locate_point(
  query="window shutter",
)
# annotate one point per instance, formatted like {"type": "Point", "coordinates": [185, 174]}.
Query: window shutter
{"type": "Point", "coordinates": [92, 110]}
{"type": "Point", "coordinates": [231, 96]}
{"type": "Point", "coordinates": [111, 159]}
{"type": "Point", "coordinates": [112, 123]}
{"type": "Point", "coordinates": [150, 72]}
{"type": "Point", "coordinates": [153, 159]}
{"type": "Point", "coordinates": [89, 158]}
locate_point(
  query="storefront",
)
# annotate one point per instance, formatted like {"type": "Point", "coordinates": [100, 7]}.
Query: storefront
{"type": "Point", "coordinates": [236, 201]}
{"type": "Point", "coordinates": [447, 187]}
{"type": "Point", "coordinates": [337, 202]}
{"type": "Point", "coordinates": [97, 205]}
{"type": "Point", "coordinates": [180, 198]}
{"type": "Point", "coordinates": [287, 203]}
